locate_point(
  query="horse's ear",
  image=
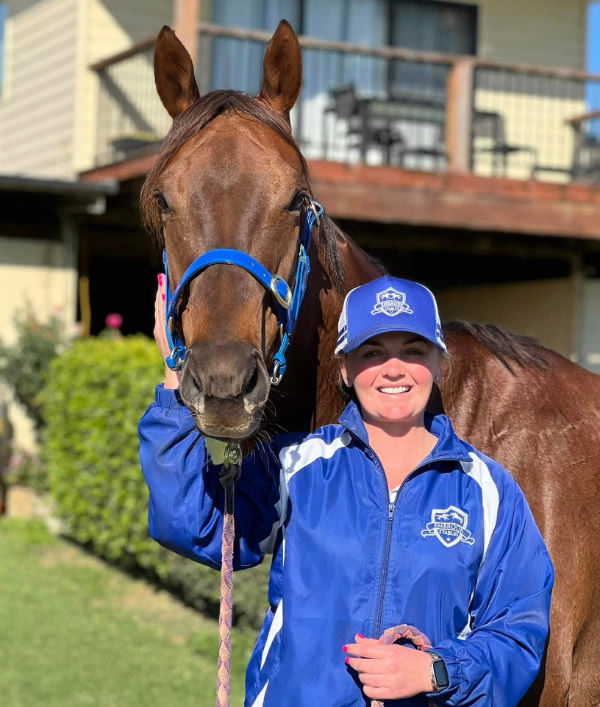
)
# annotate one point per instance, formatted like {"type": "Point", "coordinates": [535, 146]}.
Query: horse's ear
{"type": "Point", "coordinates": [282, 70]}
{"type": "Point", "coordinates": [174, 73]}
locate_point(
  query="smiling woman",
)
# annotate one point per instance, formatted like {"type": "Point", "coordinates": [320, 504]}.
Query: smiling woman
{"type": "Point", "coordinates": [383, 520]}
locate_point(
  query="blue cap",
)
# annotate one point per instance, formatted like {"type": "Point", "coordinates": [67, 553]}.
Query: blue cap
{"type": "Point", "coordinates": [388, 304]}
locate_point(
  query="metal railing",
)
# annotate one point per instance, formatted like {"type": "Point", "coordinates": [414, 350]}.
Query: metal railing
{"type": "Point", "coordinates": [379, 106]}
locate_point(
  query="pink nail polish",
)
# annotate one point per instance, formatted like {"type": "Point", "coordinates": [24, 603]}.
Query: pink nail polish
{"type": "Point", "coordinates": [164, 297]}
{"type": "Point", "coordinates": [347, 661]}
{"type": "Point", "coordinates": [359, 635]}
{"type": "Point", "coordinates": [345, 649]}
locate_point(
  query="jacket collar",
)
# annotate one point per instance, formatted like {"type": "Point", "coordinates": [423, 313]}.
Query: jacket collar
{"type": "Point", "coordinates": [448, 446]}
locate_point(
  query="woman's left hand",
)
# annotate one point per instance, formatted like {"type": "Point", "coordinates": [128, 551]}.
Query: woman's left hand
{"type": "Point", "coordinates": [389, 672]}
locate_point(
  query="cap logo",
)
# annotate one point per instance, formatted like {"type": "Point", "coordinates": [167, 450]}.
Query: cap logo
{"type": "Point", "coordinates": [391, 302]}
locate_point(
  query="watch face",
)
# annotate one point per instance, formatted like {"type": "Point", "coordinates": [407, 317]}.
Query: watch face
{"type": "Point", "coordinates": [440, 673]}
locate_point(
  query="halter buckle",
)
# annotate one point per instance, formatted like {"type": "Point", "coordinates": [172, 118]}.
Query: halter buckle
{"type": "Point", "coordinates": [285, 303]}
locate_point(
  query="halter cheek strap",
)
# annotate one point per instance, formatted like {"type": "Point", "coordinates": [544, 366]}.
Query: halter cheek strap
{"type": "Point", "coordinates": [287, 301]}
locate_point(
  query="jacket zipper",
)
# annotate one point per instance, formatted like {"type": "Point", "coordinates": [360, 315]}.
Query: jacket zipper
{"type": "Point", "coordinates": [388, 538]}
{"type": "Point", "coordinates": [384, 568]}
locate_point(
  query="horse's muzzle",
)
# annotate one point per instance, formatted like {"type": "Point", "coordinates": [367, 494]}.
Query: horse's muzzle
{"type": "Point", "coordinates": [225, 386]}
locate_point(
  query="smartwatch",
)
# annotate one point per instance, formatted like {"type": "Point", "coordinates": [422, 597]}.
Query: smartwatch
{"type": "Point", "coordinates": [439, 673]}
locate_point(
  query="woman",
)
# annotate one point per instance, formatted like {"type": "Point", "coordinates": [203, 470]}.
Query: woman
{"type": "Point", "coordinates": [386, 518]}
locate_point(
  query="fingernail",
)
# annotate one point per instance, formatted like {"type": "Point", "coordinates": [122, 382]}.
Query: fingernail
{"type": "Point", "coordinates": [345, 649]}
{"type": "Point", "coordinates": [347, 661]}
{"type": "Point", "coordinates": [164, 297]}
{"type": "Point", "coordinates": [359, 635]}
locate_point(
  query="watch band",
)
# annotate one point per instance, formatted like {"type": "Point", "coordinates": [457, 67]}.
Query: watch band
{"type": "Point", "coordinates": [439, 673]}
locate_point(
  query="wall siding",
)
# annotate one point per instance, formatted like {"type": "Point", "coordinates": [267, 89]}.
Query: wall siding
{"type": "Point", "coordinates": [538, 32]}
{"type": "Point", "coordinates": [38, 112]}
{"type": "Point", "coordinates": [111, 27]}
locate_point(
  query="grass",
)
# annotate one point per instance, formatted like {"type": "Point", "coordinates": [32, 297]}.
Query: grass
{"type": "Point", "coordinates": [75, 632]}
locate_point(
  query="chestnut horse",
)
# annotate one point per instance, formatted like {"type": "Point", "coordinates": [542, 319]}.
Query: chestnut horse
{"type": "Point", "coordinates": [231, 176]}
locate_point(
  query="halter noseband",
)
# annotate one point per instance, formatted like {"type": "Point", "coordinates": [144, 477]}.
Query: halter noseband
{"type": "Point", "coordinates": [287, 301]}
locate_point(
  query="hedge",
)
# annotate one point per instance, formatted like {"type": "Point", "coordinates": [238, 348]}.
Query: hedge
{"type": "Point", "coordinates": [95, 395]}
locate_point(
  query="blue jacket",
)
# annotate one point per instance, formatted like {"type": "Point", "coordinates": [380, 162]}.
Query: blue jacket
{"type": "Point", "coordinates": [457, 555]}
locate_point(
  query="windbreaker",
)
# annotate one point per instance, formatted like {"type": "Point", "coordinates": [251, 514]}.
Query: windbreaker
{"type": "Point", "coordinates": [456, 553]}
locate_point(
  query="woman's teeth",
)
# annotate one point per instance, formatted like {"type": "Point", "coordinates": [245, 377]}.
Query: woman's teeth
{"type": "Point", "coordinates": [395, 389]}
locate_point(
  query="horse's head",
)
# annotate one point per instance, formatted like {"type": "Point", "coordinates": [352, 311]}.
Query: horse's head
{"type": "Point", "coordinates": [229, 176]}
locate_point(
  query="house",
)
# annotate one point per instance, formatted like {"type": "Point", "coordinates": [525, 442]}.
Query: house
{"type": "Point", "coordinates": [453, 140]}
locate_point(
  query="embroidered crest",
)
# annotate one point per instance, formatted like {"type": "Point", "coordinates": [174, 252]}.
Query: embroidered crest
{"type": "Point", "coordinates": [391, 302]}
{"type": "Point", "coordinates": [449, 526]}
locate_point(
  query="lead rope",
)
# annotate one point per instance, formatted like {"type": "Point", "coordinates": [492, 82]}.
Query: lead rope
{"type": "Point", "coordinates": [228, 476]}
{"type": "Point", "coordinates": [406, 634]}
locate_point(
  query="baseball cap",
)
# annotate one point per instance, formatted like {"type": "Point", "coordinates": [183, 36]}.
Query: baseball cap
{"type": "Point", "coordinates": [388, 304]}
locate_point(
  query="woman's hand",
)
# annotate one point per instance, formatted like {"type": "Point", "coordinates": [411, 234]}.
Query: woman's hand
{"type": "Point", "coordinates": [171, 377]}
{"type": "Point", "coordinates": [389, 672]}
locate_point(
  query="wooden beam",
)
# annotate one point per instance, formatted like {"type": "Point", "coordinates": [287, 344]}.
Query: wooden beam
{"type": "Point", "coordinates": [185, 21]}
{"type": "Point", "coordinates": [389, 195]}
{"type": "Point", "coordinates": [463, 201]}
{"type": "Point", "coordinates": [459, 111]}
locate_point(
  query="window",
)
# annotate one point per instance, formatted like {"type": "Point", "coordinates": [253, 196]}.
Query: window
{"type": "Point", "coordinates": [3, 15]}
{"type": "Point", "coordinates": [434, 26]}
{"type": "Point", "coordinates": [428, 25]}
{"type": "Point", "coordinates": [238, 64]}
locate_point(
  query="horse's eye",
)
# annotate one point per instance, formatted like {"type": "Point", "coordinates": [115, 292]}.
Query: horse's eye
{"type": "Point", "coordinates": [299, 199]}
{"type": "Point", "coordinates": [162, 203]}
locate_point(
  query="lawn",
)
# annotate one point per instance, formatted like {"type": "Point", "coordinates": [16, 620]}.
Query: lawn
{"type": "Point", "coordinates": [75, 632]}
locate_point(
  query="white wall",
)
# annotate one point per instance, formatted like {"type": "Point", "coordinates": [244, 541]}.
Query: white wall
{"type": "Point", "coordinates": [40, 275]}
{"type": "Point", "coordinates": [543, 309]}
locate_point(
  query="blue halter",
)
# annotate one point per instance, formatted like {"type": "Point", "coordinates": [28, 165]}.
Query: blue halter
{"type": "Point", "coordinates": [287, 302]}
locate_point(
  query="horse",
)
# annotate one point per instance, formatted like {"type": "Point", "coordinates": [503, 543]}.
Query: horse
{"type": "Point", "coordinates": [230, 175]}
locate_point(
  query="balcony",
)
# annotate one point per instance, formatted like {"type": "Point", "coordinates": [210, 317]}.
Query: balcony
{"type": "Point", "coordinates": [379, 106]}
{"type": "Point", "coordinates": [391, 119]}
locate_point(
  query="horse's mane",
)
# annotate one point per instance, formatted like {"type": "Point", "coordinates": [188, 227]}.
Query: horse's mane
{"type": "Point", "coordinates": [196, 117]}
{"type": "Point", "coordinates": [504, 345]}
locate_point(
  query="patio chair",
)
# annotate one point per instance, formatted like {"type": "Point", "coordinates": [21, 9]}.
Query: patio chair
{"type": "Point", "coordinates": [360, 132]}
{"type": "Point", "coordinates": [490, 125]}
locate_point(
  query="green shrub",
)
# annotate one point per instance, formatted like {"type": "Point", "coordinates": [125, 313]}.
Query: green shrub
{"type": "Point", "coordinates": [24, 363]}
{"type": "Point", "coordinates": [97, 392]}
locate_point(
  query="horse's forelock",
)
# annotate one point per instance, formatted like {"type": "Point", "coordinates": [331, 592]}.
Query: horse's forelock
{"type": "Point", "coordinates": [196, 117]}
{"type": "Point", "coordinates": [189, 124]}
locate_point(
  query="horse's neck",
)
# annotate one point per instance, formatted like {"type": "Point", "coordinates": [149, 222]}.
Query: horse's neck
{"type": "Point", "coordinates": [358, 269]}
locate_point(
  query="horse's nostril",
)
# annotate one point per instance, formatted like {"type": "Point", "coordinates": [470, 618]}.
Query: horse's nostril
{"type": "Point", "coordinates": [194, 384]}
{"type": "Point", "coordinates": [250, 381]}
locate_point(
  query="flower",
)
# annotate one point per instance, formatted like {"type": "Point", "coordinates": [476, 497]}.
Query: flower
{"type": "Point", "coordinates": [114, 321]}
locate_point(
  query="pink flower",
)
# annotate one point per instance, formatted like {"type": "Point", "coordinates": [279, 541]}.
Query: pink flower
{"type": "Point", "coordinates": [114, 321]}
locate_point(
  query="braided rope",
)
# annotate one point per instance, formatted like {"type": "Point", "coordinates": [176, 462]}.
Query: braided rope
{"type": "Point", "coordinates": [225, 613]}
{"type": "Point", "coordinates": [406, 633]}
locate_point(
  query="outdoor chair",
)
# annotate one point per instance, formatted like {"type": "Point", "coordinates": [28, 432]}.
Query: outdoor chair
{"type": "Point", "coordinates": [489, 126]}
{"type": "Point", "coordinates": [360, 132]}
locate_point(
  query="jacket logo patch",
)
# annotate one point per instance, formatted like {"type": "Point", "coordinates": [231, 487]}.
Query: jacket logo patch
{"type": "Point", "coordinates": [449, 526]}
{"type": "Point", "coordinates": [391, 302]}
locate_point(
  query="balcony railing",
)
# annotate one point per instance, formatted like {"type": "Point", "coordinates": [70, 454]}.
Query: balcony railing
{"type": "Point", "coordinates": [379, 106]}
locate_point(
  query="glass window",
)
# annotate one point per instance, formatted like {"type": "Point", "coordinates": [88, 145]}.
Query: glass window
{"type": "Point", "coordinates": [238, 63]}
{"type": "Point", "coordinates": [428, 25]}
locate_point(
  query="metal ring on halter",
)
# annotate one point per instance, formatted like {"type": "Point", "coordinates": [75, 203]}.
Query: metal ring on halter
{"type": "Point", "coordinates": [315, 212]}
{"type": "Point", "coordinates": [285, 303]}
{"type": "Point", "coordinates": [275, 376]}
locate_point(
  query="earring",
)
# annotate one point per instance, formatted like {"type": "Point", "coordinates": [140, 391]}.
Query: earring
{"type": "Point", "coordinates": [437, 379]}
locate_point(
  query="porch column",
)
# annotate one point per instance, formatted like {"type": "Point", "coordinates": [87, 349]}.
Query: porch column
{"type": "Point", "coordinates": [185, 22]}
{"type": "Point", "coordinates": [459, 115]}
